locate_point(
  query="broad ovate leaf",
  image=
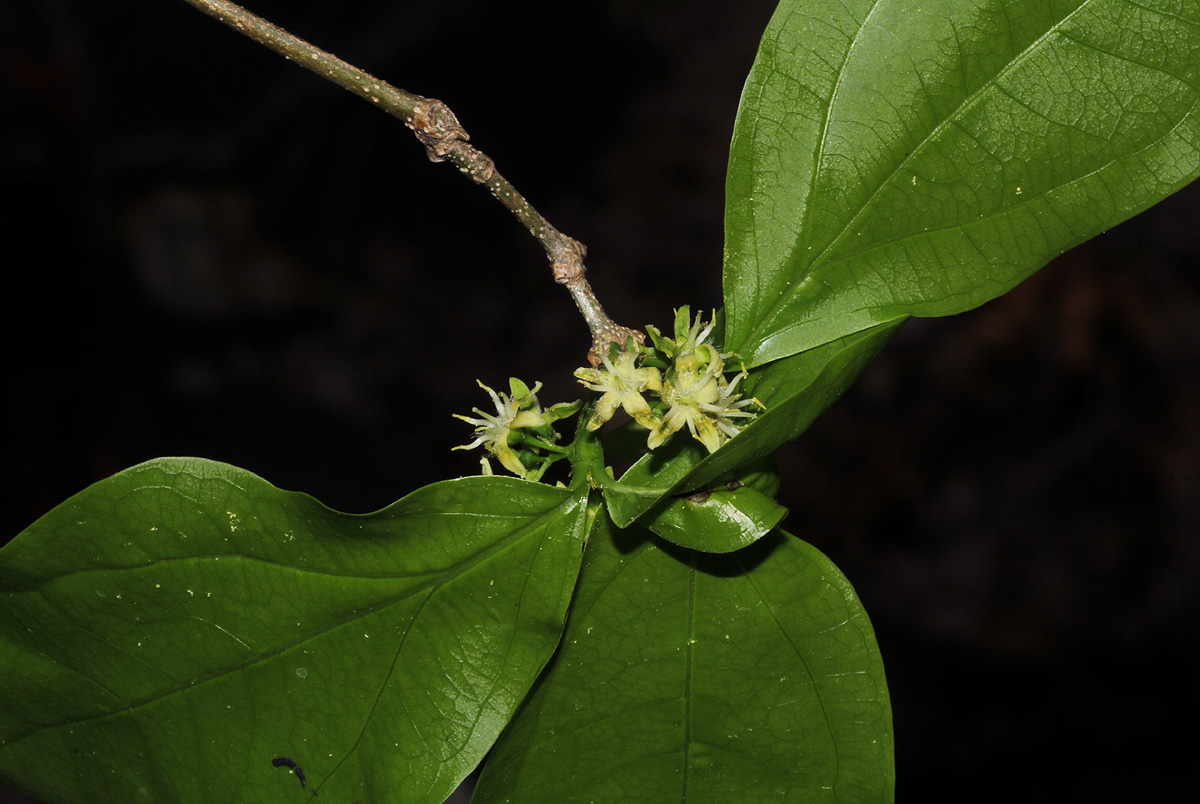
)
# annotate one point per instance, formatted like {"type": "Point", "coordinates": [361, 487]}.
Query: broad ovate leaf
{"type": "Point", "coordinates": [920, 157]}
{"type": "Point", "coordinates": [752, 677]}
{"type": "Point", "coordinates": [170, 632]}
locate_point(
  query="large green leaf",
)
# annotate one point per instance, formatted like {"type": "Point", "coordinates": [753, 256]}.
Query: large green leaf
{"type": "Point", "coordinates": [169, 632]}
{"type": "Point", "coordinates": [752, 677]}
{"type": "Point", "coordinates": [896, 157]}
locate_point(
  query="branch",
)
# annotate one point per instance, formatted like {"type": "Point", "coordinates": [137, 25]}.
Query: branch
{"type": "Point", "coordinates": [445, 140]}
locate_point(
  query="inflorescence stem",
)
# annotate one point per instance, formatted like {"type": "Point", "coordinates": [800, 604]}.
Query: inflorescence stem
{"type": "Point", "coordinates": [445, 140]}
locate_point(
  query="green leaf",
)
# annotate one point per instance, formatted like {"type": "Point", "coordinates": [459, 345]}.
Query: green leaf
{"type": "Point", "coordinates": [752, 677]}
{"type": "Point", "coordinates": [796, 391]}
{"type": "Point", "coordinates": [717, 521]}
{"type": "Point", "coordinates": [919, 157]}
{"type": "Point", "coordinates": [652, 477]}
{"type": "Point", "coordinates": [167, 633]}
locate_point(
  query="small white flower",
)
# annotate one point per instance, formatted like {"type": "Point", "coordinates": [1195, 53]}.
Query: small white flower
{"type": "Point", "coordinates": [621, 383]}
{"type": "Point", "coordinates": [728, 405]}
{"type": "Point", "coordinates": [493, 431]}
{"type": "Point", "coordinates": [696, 391]}
{"type": "Point", "coordinates": [688, 391]}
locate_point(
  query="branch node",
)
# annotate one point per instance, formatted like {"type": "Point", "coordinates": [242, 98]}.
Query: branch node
{"type": "Point", "coordinates": [566, 260]}
{"type": "Point", "coordinates": [437, 128]}
{"type": "Point", "coordinates": [613, 333]}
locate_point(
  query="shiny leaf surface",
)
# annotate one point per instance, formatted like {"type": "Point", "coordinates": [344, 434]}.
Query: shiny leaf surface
{"type": "Point", "coordinates": [919, 157]}
{"type": "Point", "coordinates": [718, 521]}
{"type": "Point", "coordinates": [752, 677]}
{"type": "Point", "coordinates": [169, 632]}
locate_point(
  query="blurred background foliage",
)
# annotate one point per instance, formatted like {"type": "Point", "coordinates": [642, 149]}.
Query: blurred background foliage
{"type": "Point", "coordinates": [211, 252]}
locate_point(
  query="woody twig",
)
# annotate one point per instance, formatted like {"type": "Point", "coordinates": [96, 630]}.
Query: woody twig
{"type": "Point", "coordinates": [445, 140]}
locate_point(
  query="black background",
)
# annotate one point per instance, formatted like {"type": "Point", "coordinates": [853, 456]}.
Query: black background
{"type": "Point", "coordinates": [209, 251]}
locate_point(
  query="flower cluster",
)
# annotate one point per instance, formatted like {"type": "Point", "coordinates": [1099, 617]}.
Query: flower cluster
{"type": "Point", "coordinates": [676, 383]}
{"type": "Point", "coordinates": [690, 390]}
{"type": "Point", "coordinates": [520, 434]}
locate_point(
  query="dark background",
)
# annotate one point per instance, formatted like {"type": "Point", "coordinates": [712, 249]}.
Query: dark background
{"type": "Point", "coordinates": [209, 251]}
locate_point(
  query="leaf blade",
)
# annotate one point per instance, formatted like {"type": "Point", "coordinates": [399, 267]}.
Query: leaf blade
{"type": "Point", "coordinates": [382, 653]}
{"type": "Point", "coordinates": [720, 521]}
{"type": "Point", "coordinates": [675, 683]}
{"type": "Point", "coordinates": [935, 154]}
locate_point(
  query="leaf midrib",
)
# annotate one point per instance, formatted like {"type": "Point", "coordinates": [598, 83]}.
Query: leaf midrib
{"type": "Point", "coordinates": [812, 680]}
{"type": "Point", "coordinates": [816, 263]}
{"type": "Point", "coordinates": [463, 567]}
